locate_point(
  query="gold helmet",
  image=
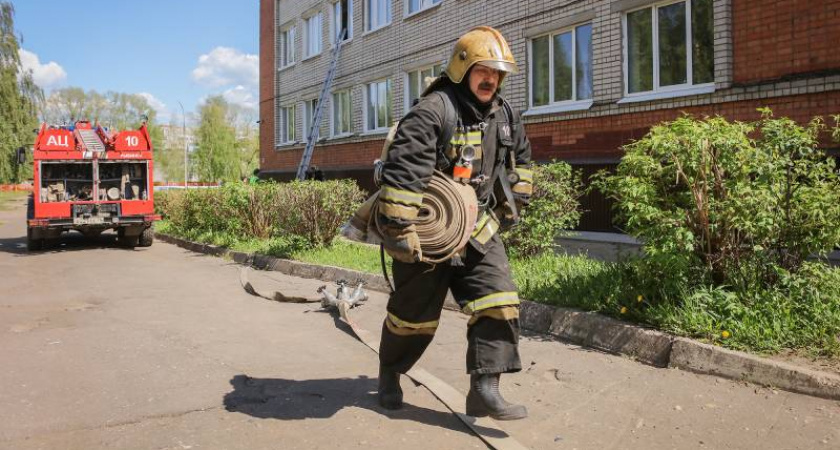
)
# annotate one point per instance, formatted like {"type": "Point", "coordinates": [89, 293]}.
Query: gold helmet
{"type": "Point", "coordinates": [484, 45]}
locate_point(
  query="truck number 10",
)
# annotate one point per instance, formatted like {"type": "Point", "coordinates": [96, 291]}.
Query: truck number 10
{"type": "Point", "coordinates": [132, 141]}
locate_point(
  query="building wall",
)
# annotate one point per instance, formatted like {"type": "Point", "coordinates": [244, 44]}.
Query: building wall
{"type": "Point", "coordinates": [267, 75]}
{"type": "Point", "coordinates": [771, 53]}
{"type": "Point", "coordinates": [783, 38]}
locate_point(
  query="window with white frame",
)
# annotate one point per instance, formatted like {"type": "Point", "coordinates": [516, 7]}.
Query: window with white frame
{"type": "Point", "coordinates": [418, 81]}
{"type": "Point", "coordinates": [342, 122]}
{"type": "Point", "coordinates": [287, 125]}
{"type": "Point", "coordinates": [561, 67]}
{"type": "Point", "coordinates": [312, 36]}
{"type": "Point", "coordinates": [308, 115]}
{"type": "Point", "coordinates": [287, 46]}
{"type": "Point", "coordinates": [669, 46]}
{"type": "Point", "coordinates": [378, 105]}
{"type": "Point", "coordinates": [377, 14]}
{"type": "Point", "coordinates": [342, 13]}
{"type": "Point", "coordinates": [419, 5]}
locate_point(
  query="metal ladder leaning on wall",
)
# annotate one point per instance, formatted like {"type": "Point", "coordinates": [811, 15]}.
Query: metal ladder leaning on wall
{"type": "Point", "coordinates": [315, 126]}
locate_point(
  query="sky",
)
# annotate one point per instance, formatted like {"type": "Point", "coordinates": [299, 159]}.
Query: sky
{"type": "Point", "coordinates": [168, 51]}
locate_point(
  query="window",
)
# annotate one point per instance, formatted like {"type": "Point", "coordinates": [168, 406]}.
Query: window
{"type": "Point", "coordinates": [308, 115]}
{"type": "Point", "coordinates": [287, 47]}
{"type": "Point", "coordinates": [312, 36]}
{"type": "Point", "coordinates": [561, 67]}
{"type": "Point", "coordinates": [342, 12]}
{"type": "Point", "coordinates": [418, 81]}
{"type": "Point", "coordinates": [287, 125]}
{"type": "Point", "coordinates": [341, 119]}
{"type": "Point", "coordinates": [378, 105]}
{"type": "Point", "coordinates": [419, 5]}
{"type": "Point", "coordinates": [669, 46]}
{"type": "Point", "coordinates": [377, 14]}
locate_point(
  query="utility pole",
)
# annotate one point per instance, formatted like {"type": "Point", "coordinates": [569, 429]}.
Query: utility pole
{"type": "Point", "coordinates": [186, 166]}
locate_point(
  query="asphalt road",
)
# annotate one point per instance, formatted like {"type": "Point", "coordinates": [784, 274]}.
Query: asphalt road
{"type": "Point", "coordinates": [158, 348]}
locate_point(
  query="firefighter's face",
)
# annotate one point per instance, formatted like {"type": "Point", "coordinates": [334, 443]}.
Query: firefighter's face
{"type": "Point", "coordinates": [484, 82]}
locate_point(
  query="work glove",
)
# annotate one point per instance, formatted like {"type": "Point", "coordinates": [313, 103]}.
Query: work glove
{"type": "Point", "coordinates": [400, 241]}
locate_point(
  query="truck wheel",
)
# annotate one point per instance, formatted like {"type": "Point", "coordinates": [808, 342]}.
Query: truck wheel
{"type": "Point", "coordinates": [32, 244]}
{"type": "Point", "coordinates": [147, 237]}
{"type": "Point", "coordinates": [30, 208]}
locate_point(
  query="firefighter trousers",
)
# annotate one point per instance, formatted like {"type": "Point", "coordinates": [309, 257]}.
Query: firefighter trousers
{"type": "Point", "coordinates": [482, 287]}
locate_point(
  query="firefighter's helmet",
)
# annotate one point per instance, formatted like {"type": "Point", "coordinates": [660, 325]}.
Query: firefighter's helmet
{"type": "Point", "coordinates": [481, 45]}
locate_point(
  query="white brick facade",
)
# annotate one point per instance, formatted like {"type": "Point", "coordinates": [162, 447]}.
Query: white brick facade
{"type": "Point", "coordinates": [427, 37]}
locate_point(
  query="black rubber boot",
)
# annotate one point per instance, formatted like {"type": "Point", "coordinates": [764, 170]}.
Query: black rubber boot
{"type": "Point", "coordinates": [484, 399]}
{"type": "Point", "coordinates": [390, 393]}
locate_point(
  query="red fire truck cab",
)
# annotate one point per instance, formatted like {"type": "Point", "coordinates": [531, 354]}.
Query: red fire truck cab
{"type": "Point", "coordinates": [90, 179]}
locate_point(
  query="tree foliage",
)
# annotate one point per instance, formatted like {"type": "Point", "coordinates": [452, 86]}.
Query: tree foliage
{"type": "Point", "coordinates": [114, 110]}
{"type": "Point", "coordinates": [554, 207]}
{"type": "Point", "coordinates": [19, 100]}
{"type": "Point", "coordinates": [170, 158]}
{"type": "Point", "coordinates": [226, 142]}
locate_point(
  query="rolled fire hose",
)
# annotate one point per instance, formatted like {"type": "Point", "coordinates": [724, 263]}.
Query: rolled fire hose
{"type": "Point", "coordinates": [444, 224]}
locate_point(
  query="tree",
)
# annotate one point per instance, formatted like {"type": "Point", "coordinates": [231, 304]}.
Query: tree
{"type": "Point", "coordinates": [226, 141]}
{"type": "Point", "coordinates": [247, 139]}
{"type": "Point", "coordinates": [216, 142]}
{"type": "Point", "coordinates": [69, 104]}
{"type": "Point", "coordinates": [169, 158]}
{"type": "Point", "coordinates": [19, 100]}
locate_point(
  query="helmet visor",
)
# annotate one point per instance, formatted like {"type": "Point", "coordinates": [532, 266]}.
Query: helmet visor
{"type": "Point", "coordinates": [503, 66]}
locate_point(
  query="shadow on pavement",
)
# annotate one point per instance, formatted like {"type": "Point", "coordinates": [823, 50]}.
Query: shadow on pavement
{"type": "Point", "coordinates": [69, 242]}
{"type": "Point", "coordinates": [277, 398]}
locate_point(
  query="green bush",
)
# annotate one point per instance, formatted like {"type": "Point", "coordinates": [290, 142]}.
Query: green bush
{"type": "Point", "coordinates": [731, 201]}
{"type": "Point", "coordinates": [728, 213]}
{"type": "Point", "coordinates": [316, 209]}
{"type": "Point", "coordinates": [308, 210]}
{"type": "Point", "coordinates": [554, 207]}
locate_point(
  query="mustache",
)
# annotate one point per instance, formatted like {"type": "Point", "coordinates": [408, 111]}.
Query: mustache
{"type": "Point", "coordinates": [486, 85]}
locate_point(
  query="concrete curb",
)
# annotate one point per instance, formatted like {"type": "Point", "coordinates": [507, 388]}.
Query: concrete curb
{"type": "Point", "coordinates": [707, 359]}
{"type": "Point", "coordinates": [589, 330]}
{"type": "Point", "coordinates": [597, 331]}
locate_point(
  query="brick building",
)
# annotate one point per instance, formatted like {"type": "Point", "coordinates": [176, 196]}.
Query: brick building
{"type": "Point", "coordinates": [594, 74]}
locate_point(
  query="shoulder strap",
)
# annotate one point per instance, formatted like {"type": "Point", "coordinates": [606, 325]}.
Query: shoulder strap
{"type": "Point", "coordinates": [451, 117]}
{"type": "Point", "coordinates": [506, 159]}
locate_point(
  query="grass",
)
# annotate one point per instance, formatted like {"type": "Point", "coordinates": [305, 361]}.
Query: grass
{"type": "Point", "coordinates": [802, 312]}
{"type": "Point", "coordinates": [6, 198]}
{"type": "Point", "coordinates": [342, 253]}
{"type": "Point", "coordinates": [347, 254]}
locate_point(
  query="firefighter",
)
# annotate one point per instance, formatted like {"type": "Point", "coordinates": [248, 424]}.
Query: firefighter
{"type": "Point", "coordinates": [488, 135]}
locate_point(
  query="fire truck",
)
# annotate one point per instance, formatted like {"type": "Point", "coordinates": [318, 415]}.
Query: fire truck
{"type": "Point", "coordinates": [90, 179]}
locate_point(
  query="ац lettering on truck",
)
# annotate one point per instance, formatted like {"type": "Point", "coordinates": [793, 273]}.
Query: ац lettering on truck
{"type": "Point", "coordinates": [91, 179]}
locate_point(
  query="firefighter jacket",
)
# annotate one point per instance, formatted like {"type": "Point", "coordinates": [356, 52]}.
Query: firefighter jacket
{"type": "Point", "coordinates": [493, 129]}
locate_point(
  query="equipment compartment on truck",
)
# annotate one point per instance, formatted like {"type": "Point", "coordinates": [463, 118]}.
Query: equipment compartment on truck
{"type": "Point", "coordinates": [67, 181]}
{"type": "Point", "coordinates": [123, 180]}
